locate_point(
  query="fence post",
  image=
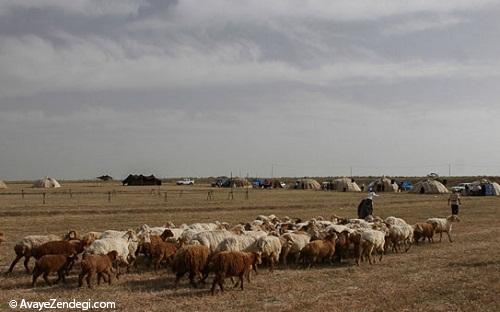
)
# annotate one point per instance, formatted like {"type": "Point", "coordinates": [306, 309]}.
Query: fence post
{"type": "Point", "coordinates": [246, 194]}
{"type": "Point", "coordinates": [109, 196]}
{"type": "Point", "coordinates": [43, 196]}
{"type": "Point", "coordinates": [165, 197]}
{"type": "Point", "coordinates": [70, 194]}
{"type": "Point", "coordinates": [22, 193]}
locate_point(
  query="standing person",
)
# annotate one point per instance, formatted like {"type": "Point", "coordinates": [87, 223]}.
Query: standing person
{"type": "Point", "coordinates": [455, 202]}
{"type": "Point", "coordinates": [365, 207]}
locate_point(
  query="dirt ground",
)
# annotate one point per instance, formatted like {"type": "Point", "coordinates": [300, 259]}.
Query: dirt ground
{"type": "Point", "coordinates": [459, 276]}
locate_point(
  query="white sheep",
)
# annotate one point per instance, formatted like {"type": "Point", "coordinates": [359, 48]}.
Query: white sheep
{"type": "Point", "coordinates": [211, 239]}
{"type": "Point", "coordinates": [270, 248]}
{"type": "Point", "coordinates": [443, 225]}
{"type": "Point", "coordinates": [292, 244]}
{"type": "Point", "coordinates": [399, 234]}
{"type": "Point", "coordinates": [126, 246]}
{"type": "Point", "coordinates": [395, 221]}
{"type": "Point", "coordinates": [371, 240]}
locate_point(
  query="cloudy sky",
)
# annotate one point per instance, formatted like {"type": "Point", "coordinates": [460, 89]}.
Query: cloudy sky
{"type": "Point", "coordinates": [203, 88]}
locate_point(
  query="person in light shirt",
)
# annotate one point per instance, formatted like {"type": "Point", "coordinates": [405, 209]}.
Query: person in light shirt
{"type": "Point", "coordinates": [454, 202]}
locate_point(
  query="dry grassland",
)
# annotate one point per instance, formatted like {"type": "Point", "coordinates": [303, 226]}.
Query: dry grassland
{"type": "Point", "coordinates": [459, 276]}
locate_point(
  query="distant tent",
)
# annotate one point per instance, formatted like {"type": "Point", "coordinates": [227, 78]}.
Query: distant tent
{"type": "Point", "coordinates": [273, 183]}
{"type": "Point", "coordinates": [307, 184]}
{"type": "Point", "coordinates": [105, 178]}
{"type": "Point", "coordinates": [346, 185]}
{"type": "Point", "coordinates": [241, 182]}
{"type": "Point", "coordinates": [484, 187]}
{"type": "Point", "coordinates": [3, 185]}
{"type": "Point", "coordinates": [429, 186]}
{"type": "Point", "coordinates": [383, 184]}
{"type": "Point", "coordinates": [137, 180]}
{"type": "Point", "coordinates": [46, 183]}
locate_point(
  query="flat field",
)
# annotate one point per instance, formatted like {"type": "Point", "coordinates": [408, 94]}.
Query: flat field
{"type": "Point", "coordinates": [459, 276]}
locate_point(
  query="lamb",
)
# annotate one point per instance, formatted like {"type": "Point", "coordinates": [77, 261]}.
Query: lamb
{"type": "Point", "coordinates": [319, 250]}
{"type": "Point", "coordinates": [270, 248]}
{"type": "Point", "coordinates": [162, 251]}
{"type": "Point", "coordinates": [371, 240]}
{"type": "Point", "coordinates": [294, 242]}
{"type": "Point", "coordinates": [424, 230]}
{"type": "Point", "coordinates": [50, 264]}
{"type": "Point", "coordinates": [97, 264]}
{"type": "Point", "coordinates": [192, 259]}
{"type": "Point", "coordinates": [24, 247]}
{"type": "Point", "coordinates": [443, 225]}
{"type": "Point", "coordinates": [233, 263]}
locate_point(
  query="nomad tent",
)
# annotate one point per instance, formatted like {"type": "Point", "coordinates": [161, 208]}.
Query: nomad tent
{"type": "Point", "coordinates": [346, 185]}
{"type": "Point", "coordinates": [307, 184]}
{"type": "Point", "coordinates": [241, 182]}
{"type": "Point", "coordinates": [483, 187]}
{"type": "Point", "coordinates": [429, 186]}
{"type": "Point", "coordinates": [3, 185]}
{"type": "Point", "coordinates": [138, 180]}
{"type": "Point", "coordinates": [46, 183]}
{"type": "Point", "coordinates": [384, 185]}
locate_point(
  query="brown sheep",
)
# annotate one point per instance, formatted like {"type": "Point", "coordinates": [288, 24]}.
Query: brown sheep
{"type": "Point", "coordinates": [319, 250]}
{"type": "Point", "coordinates": [192, 259]}
{"type": "Point", "coordinates": [50, 264]}
{"type": "Point", "coordinates": [97, 264]}
{"type": "Point", "coordinates": [68, 248]}
{"type": "Point", "coordinates": [342, 246]}
{"type": "Point", "coordinates": [233, 263]}
{"type": "Point", "coordinates": [162, 251]}
{"type": "Point", "coordinates": [424, 230]}
{"type": "Point", "coordinates": [2, 237]}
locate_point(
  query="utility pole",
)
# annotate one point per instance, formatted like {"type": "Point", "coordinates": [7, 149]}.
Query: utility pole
{"type": "Point", "coordinates": [449, 170]}
{"type": "Point", "coordinates": [351, 171]}
{"type": "Point", "coordinates": [272, 170]}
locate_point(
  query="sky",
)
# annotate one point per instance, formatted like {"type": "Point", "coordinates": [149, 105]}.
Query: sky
{"type": "Point", "coordinates": [258, 88]}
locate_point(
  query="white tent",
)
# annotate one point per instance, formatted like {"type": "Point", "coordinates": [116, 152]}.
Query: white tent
{"type": "Point", "coordinates": [429, 186]}
{"type": "Point", "coordinates": [47, 183]}
{"type": "Point", "coordinates": [346, 185]}
{"type": "Point", "coordinates": [3, 185]}
{"type": "Point", "coordinates": [383, 184]}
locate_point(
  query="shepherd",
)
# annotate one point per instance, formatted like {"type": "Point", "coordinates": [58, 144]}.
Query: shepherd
{"type": "Point", "coordinates": [365, 207]}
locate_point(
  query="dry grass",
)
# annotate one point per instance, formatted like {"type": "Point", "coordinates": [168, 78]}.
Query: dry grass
{"type": "Point", "coordinates": [459, 276]}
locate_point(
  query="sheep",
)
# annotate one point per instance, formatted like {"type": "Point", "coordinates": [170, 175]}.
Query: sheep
{"type": "Point", "coordinates": [192, 259]}
{"type": "Point", "coordinates": [395, 221]}
{"type": "Point", "coordinates": [50, 264]}
{"type": "Point", "coordinates": [233, 263]}
{"type": "Point", "coordinates": [24, 247]}
{"type": "Point", "coordinates": [443, 225]}
{"type": "Point", "coordinates": [244, 242]}
{"type": "Point", "coordinates": [211, 239]}
{"type": "Point", "coordinates": [425, 230]}
{"type": "Point", "coordinates": [89, 237]}
{"type": "Point", "coordinates": [270, 248]}
{"type": "Point", "coordinates": [293, 244]}
{"type": "Point", "coordinates": [399, 233]}
{"type": "Point", "coordinates": [72, 247]}
{"type": "Point", "coordinates": [319, 250]}
{"type": "Point", "coordinates": [371, 240]}
{"type": "Point", "coordinates": [126, 246]}
{"type": "Point", "coordinates": [162, 251]}
{"type": "Point", "coordinates": [97, 264]}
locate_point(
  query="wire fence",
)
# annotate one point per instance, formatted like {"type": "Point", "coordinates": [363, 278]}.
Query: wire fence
{"type": "Point", "coordinates": [111, 195]}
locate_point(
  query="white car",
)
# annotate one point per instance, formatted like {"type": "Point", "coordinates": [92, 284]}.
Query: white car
{"type": "Point", "coordinates": [185, 181]}
{"type": "Point", "coordinates": [460, 187]}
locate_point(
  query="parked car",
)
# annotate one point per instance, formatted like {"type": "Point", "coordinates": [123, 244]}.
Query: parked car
{"type": "Point", "coordinates": [461, 187]}
{"type": "Point", "coordinates": [185, 181]}
{"type": "Point", "coordinates": [222, 181]}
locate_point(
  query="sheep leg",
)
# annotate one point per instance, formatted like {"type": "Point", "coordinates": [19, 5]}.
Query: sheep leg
{"type": "Point", "coordinates": [46, 278]}
{"type": "Point", "coordinates": [241, 281]}
{"type": "Point", "coordinates": [381, 252]}
{"type": "Point", "coordinates": [36, 274]}
{"type": "Point", "coordinates": [61, 276]}
{"type": "Point", "coordinates": [440, 236]}
{"type": "Point", "coordinates": [370, 250]}
{"type": "Point", "coordinates": [449, 237]}
{"type": "Point", "coordinates": [178, 276]}
{"type": "Point", "coordinates": [80, 278]}
{"type": "Point", "coordinates": [271, 264]}
{"type": "Point", "coordinates": [18, 257]}
{"type": "Point", "coordinates": [99, 277]}
{"type": "Point", "coordinates": [192, 275]}
{"type": "Point", "coordinates": [26, 261]}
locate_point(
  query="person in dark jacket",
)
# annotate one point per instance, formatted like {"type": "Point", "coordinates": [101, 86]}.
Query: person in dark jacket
{"type": "Point", "coordinates": [365, 207]}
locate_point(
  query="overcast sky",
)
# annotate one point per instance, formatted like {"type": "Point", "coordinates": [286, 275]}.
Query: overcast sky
{"type": "Point", "coordinates": [203, 88]}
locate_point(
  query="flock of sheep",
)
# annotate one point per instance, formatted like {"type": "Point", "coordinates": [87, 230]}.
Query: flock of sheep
{"type": "Point", "coordinates": [203, 248]}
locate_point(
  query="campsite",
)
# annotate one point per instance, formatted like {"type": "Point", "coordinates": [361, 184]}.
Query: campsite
{"type": "Point", "coordinates": [439, 276]}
